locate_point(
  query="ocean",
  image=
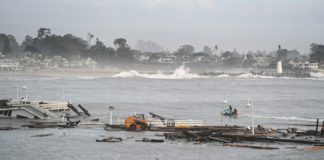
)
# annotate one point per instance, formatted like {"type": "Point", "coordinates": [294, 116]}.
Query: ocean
{"type": "Point", "coordinates": [277, 102]}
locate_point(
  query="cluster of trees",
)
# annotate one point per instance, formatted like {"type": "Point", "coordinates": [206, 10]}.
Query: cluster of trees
{"type": "Point", "coordinates": [8, 44]}
{"type": "Point", "coordinates": [47, 44]}
{"type": "Point", "coordinates": [68, 46]}
{"type": "Point", "coordinates": [317, 53]}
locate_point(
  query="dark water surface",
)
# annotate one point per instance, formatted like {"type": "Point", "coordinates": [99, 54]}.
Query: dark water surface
{"type": "Point", "coordinates": [277, 103]}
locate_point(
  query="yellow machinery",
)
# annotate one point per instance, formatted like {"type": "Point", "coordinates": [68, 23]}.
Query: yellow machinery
{"type": "Point", "coordinates": [136, 121]}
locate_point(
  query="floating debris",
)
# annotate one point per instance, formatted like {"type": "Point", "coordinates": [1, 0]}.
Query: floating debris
{"type": "Point", "coordinates": [110, 139]}
{"type": "Point", "coordinates": [42, 135]}
{"type": "Point", "coordinates": [95, 119]}
{"type": "Point", "coordinates": [150, 140]}
{"type": "Point", "coordinates": [250, 146]}
{"type": "Point", "coordinates": [7, 128]}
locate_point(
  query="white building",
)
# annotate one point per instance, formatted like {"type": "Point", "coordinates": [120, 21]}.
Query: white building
{"type": "Point", "coordinates": [9, 65]}
{"type": "Point", "coordinates": [307, 65]}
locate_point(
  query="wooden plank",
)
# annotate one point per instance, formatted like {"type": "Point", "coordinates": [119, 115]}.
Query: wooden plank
{"type": "Point", "coordinates": [313, 148]}
{"type": "Point", "coordinates": [219, 139]}
{"type": "Point", "coordinates": [250, 146]}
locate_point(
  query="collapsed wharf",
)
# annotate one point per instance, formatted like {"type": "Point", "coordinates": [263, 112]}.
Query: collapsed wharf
{"type": "Point", "coordinates": [235, 134]}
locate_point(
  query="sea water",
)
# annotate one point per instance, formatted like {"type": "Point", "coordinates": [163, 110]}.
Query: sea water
{"type": "Point", "coordinates": [277, 102]}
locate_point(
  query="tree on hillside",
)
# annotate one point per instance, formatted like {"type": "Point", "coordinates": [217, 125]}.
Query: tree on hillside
{"type": "Point", "coordinates": [43, 32]}
{"type": "Point", "coordinates": [186, 49]}
{"type": "Point", "coordinates": [123, 51]}
{"type": "Point", "coordinates": [89, 37]}
{"type": "Point", "coordinates": [27, 41]}
{"type": "Point", "coordinates": [184, 52]}
{"type": "Point", "coordinates": [74, 46]}
{"type": "Point", "coordinates": [250, 59]}
{"type": "Point", "coordinates": [49, 44]}
{"type": "Point", "coordinates": [230, 58]}
{"type": "Point", "coordinates": [4, 44]}
{"type": "Point", "coordinates": [32, 49]}
{"type": "Point", "coordinates": [281, 54]}
{"type": "Point", "coordinates": [317, 53]}
{"type": "Point", "coordinates": [120, 42]}
{"type": "Point", "coordinates": [8, 44]}
{"type": "Point", "coordinates": [207, 50]}
{"type": "Point", "coordinates": [100, 53]}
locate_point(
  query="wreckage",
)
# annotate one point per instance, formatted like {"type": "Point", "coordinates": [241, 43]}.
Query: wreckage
{"type": "Point", "coordinates": [38, 109]}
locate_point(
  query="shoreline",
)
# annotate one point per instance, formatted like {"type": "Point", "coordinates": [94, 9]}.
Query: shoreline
{"type": "Point", "coordinates": [109, 72]}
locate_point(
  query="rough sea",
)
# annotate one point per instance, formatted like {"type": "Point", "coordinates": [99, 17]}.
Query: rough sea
{"type": "Point", "coordinates": [278, 103]}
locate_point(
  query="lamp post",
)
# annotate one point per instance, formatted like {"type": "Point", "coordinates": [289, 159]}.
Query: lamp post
{"type": "Point", "coordinates": [224, 102]}
{"type": "Point", "coordinates": [25, 88]}
{"type": "Point", "coordinates": [111, 108]}
{"type": "Point", "coordinates": [250, 104]}
{"type": "Point", "coordinates": [17, 90]}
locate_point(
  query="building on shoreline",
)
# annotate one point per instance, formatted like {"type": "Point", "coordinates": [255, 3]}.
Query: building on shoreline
{"type": "Point", "coordinates": [9, 65]}
{"type": "Point", "coordinates": [307, 66]}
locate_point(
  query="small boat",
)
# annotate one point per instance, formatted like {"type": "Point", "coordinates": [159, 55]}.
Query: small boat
{"type": "Point", "coordinates": [110, 139]}
{"type": "Point", "coordinates": [229, 113]}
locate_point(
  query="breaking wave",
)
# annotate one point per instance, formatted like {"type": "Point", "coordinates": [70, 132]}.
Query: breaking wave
{"type": "Point", "coordinates": [180, 73]}
{"type": "Point", "coordinates": [223, 76]}
{"type": "Point", "coordinates": [250, 75]}
{"type": "Point", "coordinates": [316, 75]}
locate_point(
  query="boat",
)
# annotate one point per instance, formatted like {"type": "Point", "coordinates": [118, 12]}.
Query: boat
{"type": "Point", "coordinates": [229, 113]}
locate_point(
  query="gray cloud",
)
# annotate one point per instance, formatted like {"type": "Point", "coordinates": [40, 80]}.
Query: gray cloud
{"type": "Point", "coordinates": [244, 25]}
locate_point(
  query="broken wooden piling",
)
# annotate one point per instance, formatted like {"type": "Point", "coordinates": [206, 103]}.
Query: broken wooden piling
{"type": "Point", "coordinates": [250, 146]}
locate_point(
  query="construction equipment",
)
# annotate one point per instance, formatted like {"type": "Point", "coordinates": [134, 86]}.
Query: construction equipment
{"type": "Point", "coordinates": [136, 121]}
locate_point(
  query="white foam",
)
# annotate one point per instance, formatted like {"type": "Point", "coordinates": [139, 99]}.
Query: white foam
{"type": "Point", "coordinates": [250, 75]}
{"type": "Point", "coordinates": [180, 73]}
{"type": "Point", "coordinates": [316, 75]}
{"type": "Point", "coordinates": [223, 76]}
{"type": "Point", "coordinates": [86, 77]}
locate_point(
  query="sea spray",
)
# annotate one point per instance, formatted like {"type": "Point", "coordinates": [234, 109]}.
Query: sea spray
{"type": "Point", "coordinates": [184, 72]}
{"type": "Point", "coordinates": [181, 72]}
{"type": "Point", "coordinates": [316, 75]}
{"type": "Point", "coordinates": [250, 75]}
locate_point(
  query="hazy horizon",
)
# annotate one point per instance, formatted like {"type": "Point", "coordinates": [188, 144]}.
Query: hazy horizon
{"type": "Point", "coordinates": [243, 25]}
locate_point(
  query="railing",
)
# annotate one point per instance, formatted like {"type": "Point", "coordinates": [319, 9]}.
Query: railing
{"type": "Point", "coordinates": [47, 105]}
{"type": "Point", "coordinates": [48, 113]}
{"type": "Point", "coordinates": [38, 112]}
{"type": "Point", "coordinates": [176, 123]}
{"type": "Point", "coordinates": [33, 111]}
{"type": "Point", "coordinates": [54, 106]}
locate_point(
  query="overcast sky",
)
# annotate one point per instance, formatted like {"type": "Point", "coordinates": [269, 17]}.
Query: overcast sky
{"type": "Point", "coordinates": [241, 24]}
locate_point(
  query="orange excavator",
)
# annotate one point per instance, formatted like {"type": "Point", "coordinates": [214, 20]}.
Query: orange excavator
{"type": "Point", "coordinates": [135, 122]}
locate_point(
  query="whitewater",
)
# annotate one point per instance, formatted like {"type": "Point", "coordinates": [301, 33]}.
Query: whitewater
{"type": "Point", "coordinates": [184, 72]}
